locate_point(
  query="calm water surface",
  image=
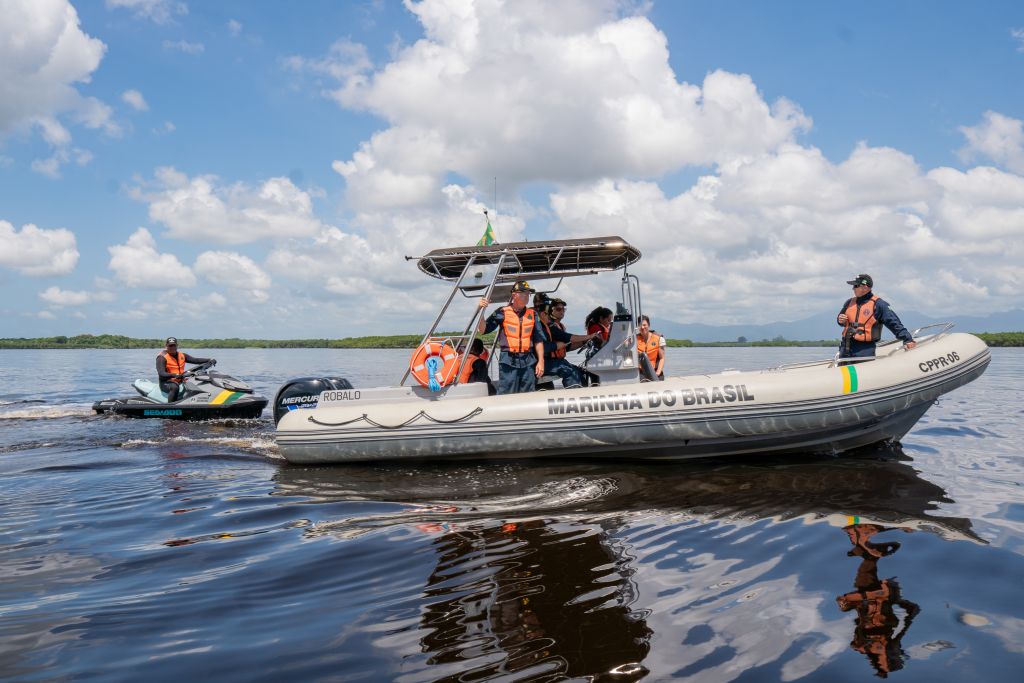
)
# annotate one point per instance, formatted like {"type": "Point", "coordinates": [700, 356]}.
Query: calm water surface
{"type": "Point", "coordinates": [151, 550]}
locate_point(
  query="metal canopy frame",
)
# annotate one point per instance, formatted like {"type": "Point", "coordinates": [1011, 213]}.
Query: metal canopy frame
{"type": "Point", "coordinates": [521, 260]}
{"type": "Point", "coordinates": [532, 260]}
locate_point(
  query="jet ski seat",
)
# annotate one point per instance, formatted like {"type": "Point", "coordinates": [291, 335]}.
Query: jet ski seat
{"type": "Point", "coordinates": [150, 389]}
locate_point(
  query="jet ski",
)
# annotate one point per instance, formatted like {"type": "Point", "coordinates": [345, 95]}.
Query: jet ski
{"type": "Point", "coordinates": [205, 395]}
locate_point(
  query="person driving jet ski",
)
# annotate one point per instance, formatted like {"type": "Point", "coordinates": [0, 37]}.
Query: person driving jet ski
{"type": "Point", "coordinates": [170, 368]}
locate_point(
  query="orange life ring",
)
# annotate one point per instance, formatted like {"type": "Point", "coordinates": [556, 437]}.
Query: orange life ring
{"type": "Point", "coordinates": [448, 361]}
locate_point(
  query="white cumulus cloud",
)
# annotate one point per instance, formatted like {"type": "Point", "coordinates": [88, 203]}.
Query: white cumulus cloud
{"type": "Point", "coordinates": [184, 46]}
{"type": "Point", "coordinates": [204, 209]}
{"type": "Point", "coordinates": [135, 100]}
{"type": "Point", "coordinates": [348, 265]}
{"type": "Point", "coordinates": [63, 297]}
{"type": "Point", "coordinates": [233, 271]}
{"type": "Point", "coordinates": [137, 263]}
{"type": "Point", "coordinates": [538, 94]}
{"type": "Point", "coordinates": [43, 56]}
{"type": "Point", "coordinates": [37, 251]}
{"type": "Point", "coordinates": [51, 166]}
{"type": "Point", "coordinates": [57, 297]}
{"type": "Point", "coordinates": [158, 11]}
{"type": "Point", "coordinates": [999, 138]}
{"type": "Point", "coordinates": [785, 226]}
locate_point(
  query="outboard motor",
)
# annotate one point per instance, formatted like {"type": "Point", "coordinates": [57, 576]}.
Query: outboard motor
{"type": "Point", "coordinates": [304, 392]}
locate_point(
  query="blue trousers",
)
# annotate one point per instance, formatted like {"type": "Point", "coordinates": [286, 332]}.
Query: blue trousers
{"type": "Point", "coordinates": [858, 350]}
{"type": "Point", "coordinates": [516, 374]}
{"type": "Point", "coordinates": [570, 374]}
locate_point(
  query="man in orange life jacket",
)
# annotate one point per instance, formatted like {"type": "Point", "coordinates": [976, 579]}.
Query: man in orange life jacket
{"type": "Point", "coordinates": [557, 341]}
{"type": "Point", "coordinates": [522, 349]}
{"type": "Point", "coordinates": [170, 367]}
{"type": "Point", "coordinates": [475, 369]}
{"type": "Point", "coordinates": [862, 318]}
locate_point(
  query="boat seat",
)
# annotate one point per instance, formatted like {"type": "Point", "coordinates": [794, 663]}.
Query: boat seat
{"type": "Point", "coordinates": [150, 389]}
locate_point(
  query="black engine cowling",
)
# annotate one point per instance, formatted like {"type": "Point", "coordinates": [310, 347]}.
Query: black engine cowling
{"type": "Point", "coordinates": [304, 392]}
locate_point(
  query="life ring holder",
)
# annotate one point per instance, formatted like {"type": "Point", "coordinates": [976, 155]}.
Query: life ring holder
{"type": "Point", "coordinates": [434, 363]}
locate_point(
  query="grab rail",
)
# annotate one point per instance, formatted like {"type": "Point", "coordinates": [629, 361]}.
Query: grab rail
{"type": "Point", "coordinates": [946, 327]}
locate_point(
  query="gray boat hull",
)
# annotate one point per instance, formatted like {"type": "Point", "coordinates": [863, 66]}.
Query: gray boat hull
{"type": "Point", "coordinates": [817, 408]}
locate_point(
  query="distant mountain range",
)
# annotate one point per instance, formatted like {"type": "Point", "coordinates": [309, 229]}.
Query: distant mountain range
{"type": "Point", "coordinates": [822, 326]}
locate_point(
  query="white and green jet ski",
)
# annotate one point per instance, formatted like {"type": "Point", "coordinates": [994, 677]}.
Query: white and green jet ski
{"type": "Point", "coordinates": [206, 395]}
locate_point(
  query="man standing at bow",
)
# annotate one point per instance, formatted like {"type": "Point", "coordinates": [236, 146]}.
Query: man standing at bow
{"type": "Point", "coordinates": [522, 347]}
{"type": "Point", "coordinates": [862, 318]}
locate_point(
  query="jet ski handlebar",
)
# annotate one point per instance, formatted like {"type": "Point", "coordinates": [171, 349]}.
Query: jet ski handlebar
{"type": "Point", "coordinates": [200, 368]}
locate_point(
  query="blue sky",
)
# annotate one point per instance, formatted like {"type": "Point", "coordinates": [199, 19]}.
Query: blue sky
{"type": "Point", "coordinates": [253, 169]}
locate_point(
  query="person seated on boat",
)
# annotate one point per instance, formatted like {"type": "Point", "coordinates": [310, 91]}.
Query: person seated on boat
{"type": "Point", "coordinates": [653, 344]}
{"type": "Point", "coordinates": [521, 360]}
{"type": "Point", "coordinates": [170, 368]}
{"type": "Point", "coordinates": [556, 312]}
{"type": "Point", "coordinates": [599, 320]}
{"type": "Point", "coordinates": [862, 317]}
{"type": "Point", "coordinates": [556, 342]}
{"type": "Point", "coordinates": [475, 369]}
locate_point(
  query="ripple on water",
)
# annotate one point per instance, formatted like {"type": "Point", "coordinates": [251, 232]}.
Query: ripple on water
{"type": "Point", "coordinates": [157, 549]}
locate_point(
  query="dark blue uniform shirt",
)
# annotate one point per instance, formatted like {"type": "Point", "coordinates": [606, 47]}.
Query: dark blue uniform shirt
{"type": "Point", "coordinates": [884, 315]}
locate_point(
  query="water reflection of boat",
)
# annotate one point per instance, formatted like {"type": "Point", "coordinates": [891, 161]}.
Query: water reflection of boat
{"type": "Point", "coordinates": [826, 406]}
{"type": "Point", "coordinates": [876, 488]}
{"type": "Point", "coordinates": [534, 577]}
{"type": "Point", "coordinates": [533, 580]}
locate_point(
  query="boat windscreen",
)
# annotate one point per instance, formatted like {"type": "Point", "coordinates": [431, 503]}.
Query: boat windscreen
{"type": "Point", "coordinates": [551, 258]}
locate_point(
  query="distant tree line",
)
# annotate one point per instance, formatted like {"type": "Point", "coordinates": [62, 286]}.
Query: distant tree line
{"type": "Point", "coordinates": [1002, 338]}
{"type": "Point", "coordinates": [401, 341]}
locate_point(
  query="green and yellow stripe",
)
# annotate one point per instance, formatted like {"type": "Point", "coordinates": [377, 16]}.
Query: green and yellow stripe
{"type": "Point", "coordinates": [225, 398]}
{"type": "Point", "coordinates": [849, 379]}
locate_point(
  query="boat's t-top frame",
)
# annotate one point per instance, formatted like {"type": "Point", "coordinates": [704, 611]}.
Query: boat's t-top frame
{"type": "Point", "coordinates": [492, 270]}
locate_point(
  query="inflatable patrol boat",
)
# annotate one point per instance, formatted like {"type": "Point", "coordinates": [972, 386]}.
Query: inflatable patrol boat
{"type": "Point", "coordinates": [828, 406]}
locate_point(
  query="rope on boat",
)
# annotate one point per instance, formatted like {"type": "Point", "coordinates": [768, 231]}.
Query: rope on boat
{"type": "Point", "coordinates": [364, 417]}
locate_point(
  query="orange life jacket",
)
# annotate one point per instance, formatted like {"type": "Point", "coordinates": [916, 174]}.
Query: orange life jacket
{"type": "Point", "coordinates": [557, 353]}
{"type": "Point", "coordinates": [467, 369]}
{"type": "Point", "coordinates": [862, 317]}
{"type": "Point", "coordinates": [175, 365]}
{"type": "Point", "coordinates": [650, 347]}
{"type": "Point", "coordinates": [518, 330]}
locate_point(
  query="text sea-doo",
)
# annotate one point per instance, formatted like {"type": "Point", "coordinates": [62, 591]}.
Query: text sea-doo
{"type": "Point", "coordinates": [207, 395]}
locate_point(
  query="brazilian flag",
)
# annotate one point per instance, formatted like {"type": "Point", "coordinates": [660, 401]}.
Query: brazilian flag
{"type": "Point", "coordinates": [488, 237]}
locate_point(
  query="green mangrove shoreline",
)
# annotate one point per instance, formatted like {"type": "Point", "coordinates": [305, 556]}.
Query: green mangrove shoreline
{"type": "Point", "coordinates": [402, 341]}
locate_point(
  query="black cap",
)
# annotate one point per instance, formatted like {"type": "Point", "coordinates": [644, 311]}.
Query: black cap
{"type": "Point", "coordinates": [171, 340]}
{"type": "Point", "coordinates": [522, 286]}
{"type": "Point", "coordinates": [862, 279]}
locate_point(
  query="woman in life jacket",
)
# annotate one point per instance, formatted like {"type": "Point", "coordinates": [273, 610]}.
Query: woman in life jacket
{"type": "Point", "coordinates": [599, 320]}
{"type": "Point", "coordinates": [652, 345]}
